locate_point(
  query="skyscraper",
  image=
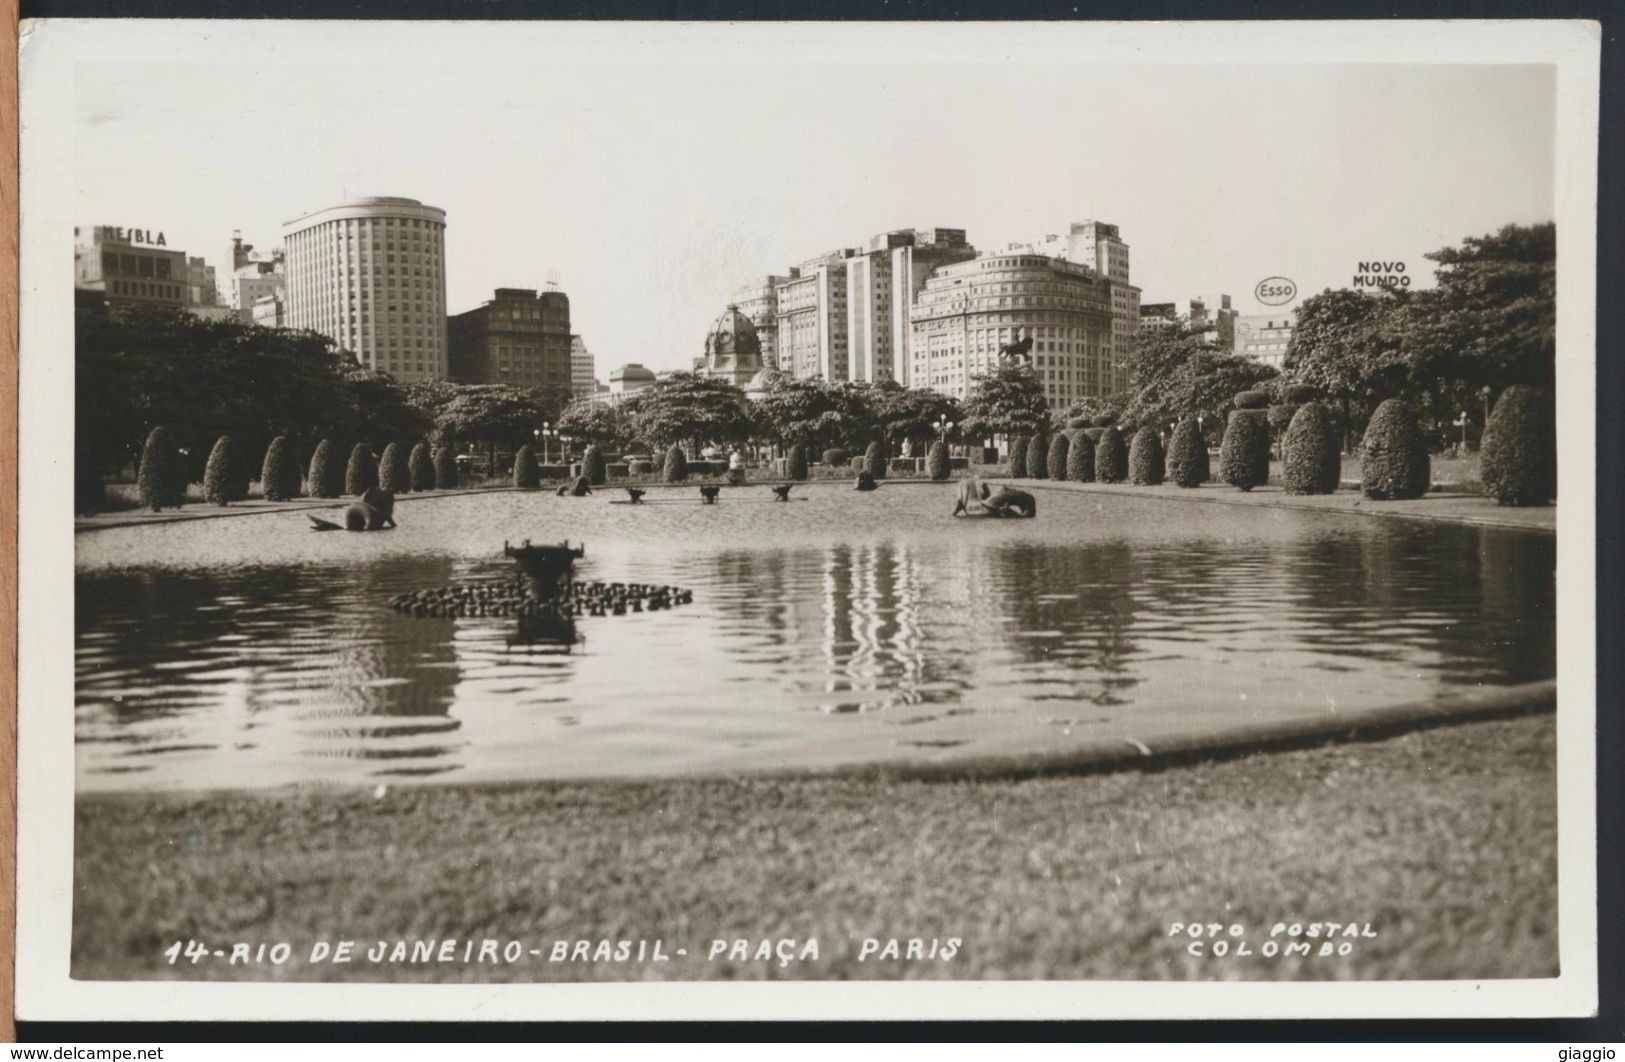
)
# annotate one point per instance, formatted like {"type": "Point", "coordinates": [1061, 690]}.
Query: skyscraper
{"type": "Point", "coordinates": [370, 273]}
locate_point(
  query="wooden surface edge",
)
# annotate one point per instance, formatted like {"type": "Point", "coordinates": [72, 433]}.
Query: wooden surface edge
{"type": "Point", "coordinates": [9, 292]}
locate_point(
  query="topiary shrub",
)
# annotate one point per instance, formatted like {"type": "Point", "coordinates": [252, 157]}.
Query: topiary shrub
{"type": "Point", "coordinates": [1280, 418]}
{"type": "Point", "coordinates": [527, 474]}
{"type": "Point", "coordinates": [1018, 456]}
{"type": "Point", "coordinates": [936, 462]}
{"type": "Point", "coordinates": [161, 480]}
{"type": "Point", "coordinates": [836, 457]}
{"type": "Point", "coordinates": [593, 465]}
{"type": "Point", "coordinates": [1079, 422]}
{"type": "Point", "coordinates": [1393, 458]}
{"type": "Point", "coordinates": [226, 478]}
{"type": "Point", "coordinates": [1187, 454]}
{"type": "Point", "coordinates": [361, 474]}
{"type": "Point", "coordinates": [1312, 463]}
{"type": "Point", "coordinates": [394, 474]}
{"type": "Point", "coordinates": [1244, 457]}
{"type": "Point", "coordinates": [795, 463]}
{"type": "Point", "coordinates": [1145, 462]}
{"type": "Point", "coordinates": [1251, 400]}
{"type": "Point", "coordinates": [445, 468]}
{"type": "Point", "coordinates": [1059, 448]}
{"type": "Point", "coordinates": [421, 464]}
{"type": "Point", "coordinates": [1518, 458]}
{"type": "Point", "coordinates": [279, 476]}
{"type": "Point", "coordinates": [1105, 420]}
{"type": "Point", "coordinates": [1111, 456]}
{"type": "Point", "coordinates": [1298, 394]}
{"type": "Point", "coordinates": [1080, 458]}
{"type": "Point", "coordinates": [676, 469]}
{"type": "Point", "coordinates": [874, 460]}
{"type": "Point", "coordinates": [326, 479]}
{"type": "Point", "coordinates": [1038, 456]}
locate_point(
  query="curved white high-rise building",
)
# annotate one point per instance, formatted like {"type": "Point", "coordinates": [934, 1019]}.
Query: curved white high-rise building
{"type": "Point", "coordinates": [371, 274]}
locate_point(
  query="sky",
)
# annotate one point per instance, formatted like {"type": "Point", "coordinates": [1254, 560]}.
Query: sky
{"type": "Point", "coordinates": [650, 190]}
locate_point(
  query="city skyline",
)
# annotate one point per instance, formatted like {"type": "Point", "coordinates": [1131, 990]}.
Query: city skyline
{"type": "Point", "coordinates": [651, 208]}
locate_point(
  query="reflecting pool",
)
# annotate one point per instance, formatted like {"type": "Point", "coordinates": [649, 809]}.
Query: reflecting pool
{"type": "Point", "coordinates": [247, 652]}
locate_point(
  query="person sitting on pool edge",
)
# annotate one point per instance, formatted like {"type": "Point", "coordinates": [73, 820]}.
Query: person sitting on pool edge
{"type": "Point", "coordinates": [579, 489]}
{"type": "Point", "coordinates": [976, 497]}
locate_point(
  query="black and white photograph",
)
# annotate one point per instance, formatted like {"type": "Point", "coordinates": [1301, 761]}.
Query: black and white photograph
{"type": "Point", "coordinates": [980, 520]}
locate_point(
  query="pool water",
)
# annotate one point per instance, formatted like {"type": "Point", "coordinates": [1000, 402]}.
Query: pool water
{"type": "Point", "coordinates": [248, 652]}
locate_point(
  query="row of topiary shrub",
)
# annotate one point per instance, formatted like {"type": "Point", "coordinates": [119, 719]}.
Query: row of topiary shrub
{"type": "Point", "coordinates": [161, 478]}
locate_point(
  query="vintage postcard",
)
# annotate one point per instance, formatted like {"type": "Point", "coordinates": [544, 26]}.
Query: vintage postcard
{"type": "Point", "coordinates": [627, 520]}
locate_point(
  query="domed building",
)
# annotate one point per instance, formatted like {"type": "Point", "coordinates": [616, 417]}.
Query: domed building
{"type": "Point", "coordinates": [732, 350]}
{"type": "Point", "coordinates": [761, 382]}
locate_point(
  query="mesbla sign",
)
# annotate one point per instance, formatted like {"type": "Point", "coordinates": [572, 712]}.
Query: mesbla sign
{"type": "Point", "coordinates": [119, 234]}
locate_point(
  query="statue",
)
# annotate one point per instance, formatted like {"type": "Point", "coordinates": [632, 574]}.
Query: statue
{"type": "Point", "coordinates": [982, 499]}
{"type": "Point", "coordinates": [1018, 349]}
{"type": "Point", "coordinates": [373, 510]}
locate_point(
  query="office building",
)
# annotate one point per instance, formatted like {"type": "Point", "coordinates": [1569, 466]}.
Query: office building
{"type": "Point", "coordinates": [129, 266]}
{"type": "Point", "coordinates": [1212, 317]}
{"type": "Point", "coordinates": [811, 318]}
{"type": "Point", "coordinates": [1055, 313]}
{"type": "Point", "coordinates": [583, 379]}
{"type": "Point", "coordinates": [519, 337]}
{"type": "Point", "coordinates": [254, 275]}
{"type": "Point", "coordinates": [1265, 336]}
{"type": "Point", "coordinates": [200, 286]}
{"type": "Point", "coordinates": [1100, 246]}
{"type": "Point", "coordinates": [759, 301]}
{"type": "Point", "coordinates": [370, 274]}
{"type": "Point", "coordinates": [882, 280]}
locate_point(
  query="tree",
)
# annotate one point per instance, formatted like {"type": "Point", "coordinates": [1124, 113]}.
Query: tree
{"type": "Point", "coordinates": [1187, 454]}
{"type": "Point", "coordinates": [795, 463]}
{"type": "Point", "coordinates": [527, 475]}
{"type": "Point", "coordinates": [1312, 463]}
{"type": "Point", "coordinates": [1519, 454]}
{"type": "Point", "coordinates": [1347, 345]}
{"type": "Point", "coordinates": [799, 412]}
{"type": "Point", "coordinates": [687, 406]}
{"type": "Point", "coordinates": [1244, 456]}
{"type": "Point", "coordinates": [1009, 400]}
{"type": "Point", "coordinates": [911, 415]}
{"type": "Point", "coordinates": [874, 460]}
{"type": "Point", "coordinates": [394, 474]}
{"type": "Point", "coordinates": [226, 479]}
{"type": "Point", "coordinates": [496, 415]}
{"type": "Point", "coordinates": [597, 422]}
{"type": "Point", "coordinates": [421, 465]}
{"type": "Point", "coordinates": [1059, 449]}
{"type": "Point", "coordinates": [1176, 375]}
{"type": "Point", "coordinates": [1145, 458]}
{"type": "Point", "coordinates": [1080, 458]}
{"type": "Point", "coordinates": [1038, 456]}
{"type": "Point", "coordinates": [445, 468]}
{"type": "Point", "coordinates": [1393, 458]}
{"type": "Point", "coordinates": [593, 466]}
{"type": "Point", "coordinates": [675, 469]}
{"type": "Point", "coordinates": [361, 474]}
{"type": "Point", "coordinates": [1111, 456]}
{"type": "Point", "coordinates": [161, 481]}
{"type": "Point", "coordinates": [326, 476]}
{"type": "Point", "coordinates": [279, 474]}
{"type": "Point", "coordinates": [936, 462]}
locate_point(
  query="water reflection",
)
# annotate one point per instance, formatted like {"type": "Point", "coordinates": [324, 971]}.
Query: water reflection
{"type": "Point", "coordinates": [794, 656]}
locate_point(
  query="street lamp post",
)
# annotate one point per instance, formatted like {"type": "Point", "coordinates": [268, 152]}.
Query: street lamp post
{"type": "Point", "coordinates": [542, 434]}
{"type": "Point", "coordinates": [944, 426]}
{"type": "Point", "coordinates": [1461, 422]}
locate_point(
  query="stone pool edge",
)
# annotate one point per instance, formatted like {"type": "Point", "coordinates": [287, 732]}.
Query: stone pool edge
{"type": "Point", "coordinates": [1103, 756]}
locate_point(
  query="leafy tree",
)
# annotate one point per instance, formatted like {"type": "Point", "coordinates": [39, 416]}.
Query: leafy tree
{"type": "Point", "coordinates": [496, 416]}
{"type": "Point", "coordinates": [1177, 375]}
{"type": "Point", "coordinates": [1393, 456]}
{"type": "Point", "coordinates": [912, 415]}
{"type": "Point", "coordinates": [1312, 463]}
{"type": "Point", "coordinates": [687, 406]}
{"type": "Point", "coordinates": [598, 422]}
{"type": "Point", "coordinates": [799, 412]}
{"type": "Point", "coordinates": [1519, 455]}
{"type": "Point", "coordinates": [1347, 345]}
{"type": "Point", "coordinates": [1009, 400]}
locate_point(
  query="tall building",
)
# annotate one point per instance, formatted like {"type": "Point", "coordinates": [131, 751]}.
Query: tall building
{"type": "Point", "coordinates": [370, 274]}
{"type": "Point", "coordinates": [1159, 316]}
{"type": "Point", "coordinates": [200, 287]}
{"type": "Point", "coordinates": [882, 280]}
{"type": "Point", "coordinates": [128, 266]}
{"type": "Point", "coordinates": [1100, 246]}
{"type": "Point", "coordinates": [760, 302]}
{"type": "Point", "coordinates": [811, 318]}
{"type": "Point", "coordinates": [1216, 320]}
{"type": "Point", "coordinates": [911, 266]}
{"type": "Point", "coordinates": [583, 380]}
{"type": "Point", "coordinates": [255, 275]}
{"type": "Point", "coordinates": [520, 337]}
{"type": "Point", "coordinates": [1057, 313]}
{"type": "Point", "coordinates": [1265, 336]}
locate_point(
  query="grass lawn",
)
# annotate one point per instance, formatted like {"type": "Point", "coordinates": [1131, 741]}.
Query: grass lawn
{"type": "Point", "coordinates": [1442, 840]}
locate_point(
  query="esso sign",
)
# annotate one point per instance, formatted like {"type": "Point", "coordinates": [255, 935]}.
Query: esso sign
{"type": "Point", "coordinates": [1275, 291]}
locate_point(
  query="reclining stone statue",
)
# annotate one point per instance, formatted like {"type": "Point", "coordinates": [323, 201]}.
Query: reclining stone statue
{"type": "Point", "coordinates": [373, 510]}
{"type": "Point", "coordinates": [982, 499]}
